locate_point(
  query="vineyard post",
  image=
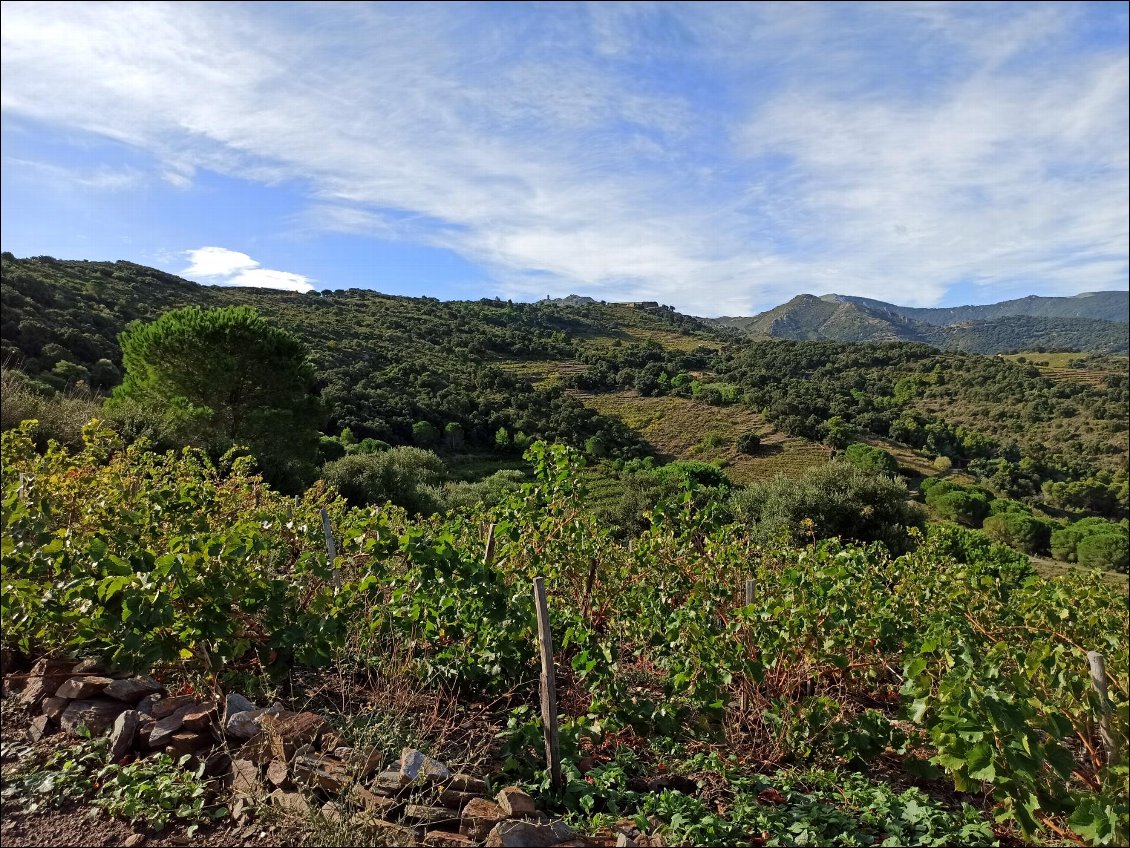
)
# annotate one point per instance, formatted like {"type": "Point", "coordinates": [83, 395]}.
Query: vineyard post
{"type": "Point", "coordinates": [488, 557]}
{"type": "Point", "coordinates": [548, 686]}
{"type": "Point", "coordinates": [744, 701]}
{"type": "Point", "coordinates": [331, 550]}
{"type": "Point", "coordinates": [1099, 681]}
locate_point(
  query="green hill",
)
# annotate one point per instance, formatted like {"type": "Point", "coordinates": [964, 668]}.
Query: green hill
{"type": "Point", "coordinates": [1025, 324]}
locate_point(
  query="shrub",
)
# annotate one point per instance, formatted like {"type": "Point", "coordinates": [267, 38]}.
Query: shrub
{"type": "Point", "coordinates": [1018, 530]}
{"type": "Point", "coordinates": [402, 475]}
{"type": "Point", "coordinates": [965, 507]}
{"type": "Point", "coordinates": [1104, 550]}
{"type": "Point", "coordinates": [839, 499]}
{"type": "Point", "coordinates": [749, 443]}
{"type": "Point", "coordinates": [871, 458]}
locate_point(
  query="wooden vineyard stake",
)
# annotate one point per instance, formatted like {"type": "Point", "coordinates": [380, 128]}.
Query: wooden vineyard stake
{"type": "Point", "coordinates": [748, 592]}
{"type": "Point", "coordinates": [1099, 681]}
{"type": "Point", "coordinates": [331, 549]}
{"type": "Point", "coordinates": [548, 687]}
{"type": "Point", "coordinates": [488, 557]}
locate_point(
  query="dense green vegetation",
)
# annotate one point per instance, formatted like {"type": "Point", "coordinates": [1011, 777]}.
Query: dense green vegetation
{"type": "Point", "coordinates": [949, 659]}
{"type": "Point", "coordinates": [1094, 322]}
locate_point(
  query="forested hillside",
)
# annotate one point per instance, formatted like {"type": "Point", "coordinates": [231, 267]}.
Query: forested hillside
{"type": "Point", "coordinates": [1095, 322]}
{"type": "Point", "coordinates": [790, 590]}
{"type": "Point", "coordinates": [603, 376]}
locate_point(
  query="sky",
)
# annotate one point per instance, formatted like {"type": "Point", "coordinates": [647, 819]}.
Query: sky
{"type": "Point", "coordinates": [720, 158]}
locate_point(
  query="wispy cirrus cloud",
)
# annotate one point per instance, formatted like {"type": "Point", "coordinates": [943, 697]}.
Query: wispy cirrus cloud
{"type": "Point", "coordinates": [720, 157]}
{"type": "Point", "coordinates": [220, 266]}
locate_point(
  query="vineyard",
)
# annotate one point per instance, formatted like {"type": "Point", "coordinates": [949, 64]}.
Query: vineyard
{"type": "Point", "coordinates": [846, 695]}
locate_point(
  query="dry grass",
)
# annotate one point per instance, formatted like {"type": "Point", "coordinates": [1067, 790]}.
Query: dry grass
{"type": "Point", "coordinates": [680, 428]}
{"type": "Point", "coordinates": [1058, 366]}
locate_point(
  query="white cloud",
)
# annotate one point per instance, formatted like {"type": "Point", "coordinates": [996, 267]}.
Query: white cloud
{"type": "Point", "coordinates": [220, 266]}
{"type": "Point", "coordinates": [60, 178]}
{"type": "Point", "coordinates": [716, 157]}
{"type": "Point", "coordinates": [217, 262]}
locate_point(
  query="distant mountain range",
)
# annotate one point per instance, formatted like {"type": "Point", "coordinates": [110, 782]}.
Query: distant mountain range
{"type": "Point", "coordinates": [1096, 321]}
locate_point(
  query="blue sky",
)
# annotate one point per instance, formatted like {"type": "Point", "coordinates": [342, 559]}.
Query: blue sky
{"type": "Point", "coordinates": [719, 158]}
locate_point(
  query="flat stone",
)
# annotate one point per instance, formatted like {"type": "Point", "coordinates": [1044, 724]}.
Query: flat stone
{"type": "Point", "coordinates": [625, 841]}
{"type": "Point", "coordinates": [455, 800]}
{"type": "Point", "coordinates": [288, 732]}
{"type": "Point", "coordinates": [418, 766]}
{"type": "Point", "coordinates": [341, 752]}
{"type": "Point", "coordinates": [278, 774]}
{"type": "Point", "coordinates": [365, 761]}
{"type": "Point", "coordinates": [516, 834]}
{"type": "Point", "coordinates": [257, 749]}
{"type": "Point", "coordinates": [82, 687]}
{"type": "Point", "coordinates": [217, 763]}
{"type": "Point", "coordinates": [385, 808]}
{"type": "Point", "coordinates": [53, 707]}
{"type": "Point", "coordinates": [95, 715]}
{"type": "Point", "coordinates": [200, 718]}
{"type": "Point", "coordinates": [388, 781]}
{"type": "Point", "coordinates": [447, 839]}
{"type": "Point", "coordinates": [291, 802]}
{"type": "Point", "coordinates": [123, 734]}
{"type": "Point", "coordinates": [167, 706]}
{"type": "Point", "coordinates": [146, 704]}
{"type": "Point", "coordinates": [515, 802]}
{"type": "Point", "coordinates": [330, 740]}
{"type": "Point", "coordinates": [479, 817]}
{"type": "Point", "coordinates": [429, 816]}
{"type": "Point", "coordinates": [132, 689]}
{"type": "Point", "coordinates": [133, 840]}
{"type": "Point", "coordinates": [466, 783]}
{"type": "Point", "coordinates": [38, 728]}
{"type": "Point", "coordinates": [322, 773]}
{"type": "Point", "coordinates": [163, 730]}
{"type": "Point", "coordinates": [245, 779]}
{"type": "Point", "coordinates": [44, 678]}
{"type": "Point", "coordinates": [333, 812]}
{"type": "Point", "coordinates": [236, 703]}
{"type": "Point", "coordinates": [246, 724]}
{"type": "Point", "coordinates": [189, 742]}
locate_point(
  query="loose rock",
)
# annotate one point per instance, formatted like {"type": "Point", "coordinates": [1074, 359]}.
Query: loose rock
{"type": "Point", "coordinates": [278, 774]}
{"type": "Point", "coordinates": [96, 715]}
{"type": "Point", "coordinates": [188, 742]}
{"type": "Point", "coordinates": [416, 765]}
{"type": "Point", "coordinates": [515, 802]}
{"type": "Point", "coordinates": [236, 703]}
{"type": "Point", "coordinates": [45, 677]}
{"type": "Point", "coordinates": [382, 807]}
{"type": "Point", "coordinates": [388, 781]}
{"type": "Point", "coordinates": [53, 707]}
{"type": "Point", "coordinates": [82, 687]}
{"type": "Point", "coordinates": [167, 706]}
{"type": "Point", "coordinates": [466, 783]}
{"type": "Point", "coordinates": [200, 718]}
{"type": "Point", "coordinates": [455, 800]}
{"type": "Point", "coordinates": [511, 834]}
{"type": "Point", "coordinates": [332, 812]}
{"type": "Point", "coordinates": [122, 736]}
{"type": "Point", "coordinates": [479, 817]}
{"type": "Point", "coordinates": [291, 802]}
{"type": "Point", "coordinates": [245, 779]}
{"type": "Point", "coordinates": [429, 816]}
{"type": "Point", "coordinates": [164, 729]}
{"type": "Point", "coordinates": [132, 689]}
{"type": "Point", "coordinates": [289, 732]}
{"type": "Point", "coordinates": [38, 728]}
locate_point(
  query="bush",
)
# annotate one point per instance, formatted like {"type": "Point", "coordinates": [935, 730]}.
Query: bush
{"type": "Point", "coordinates": [871, 458]}
{"type": "Point", "coordinates": [1104, 550]}
{"type": "Point", "coordinates": [749, 443]}
{"type": "Point", "coordinates": [965, 507]}
{"type": "Point", "coordinates": [1018, 530]}
{"type": "Point", "coordinates": [839, 499]}
{"type": "Point", "coordinates": [1065, 542]}
{"type": "Point", "coordinates": [405, 476]}
{"type": "Point", "coordinates": [700, 473]}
